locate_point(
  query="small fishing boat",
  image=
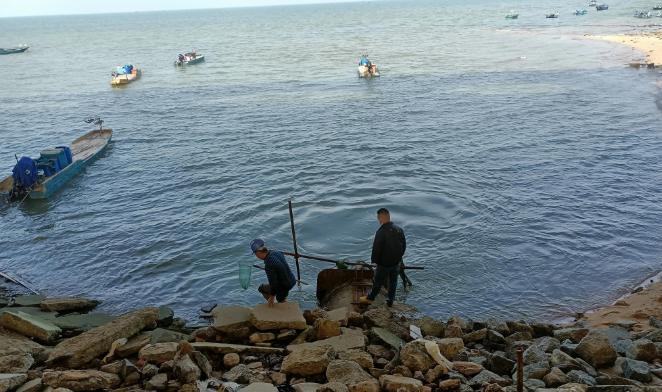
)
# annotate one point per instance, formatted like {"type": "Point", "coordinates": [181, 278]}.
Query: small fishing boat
{"type": "Point", "coordinates": [189, 58]}
{"type": "Point", "coordinates": [512, 15]}
{"type": "Point", "coordinates": [366, 68]}
{"type": "Point", "coordinates": [40, 178]}
{"type": "Point", "coordinates": [338, 288]}
{"type": "Point", "coordinates": [581, 11]}
{"type": "Point", "coordinates": [658, 14]}
{"type": "Point", "coordinates": [643, 14]}
{"type": "Point", "coordinates": [18, 49]}
{"type": "Point", "coordinates": [593, 3]}
{"type": "Point", "coordinates": [658, 7]}
{"type": "Point", "coordinates": [124, 75]}
{"type": "Point", "coordinates": [553, 15]}
{"type": "Point", "coordinates": [602, 7]}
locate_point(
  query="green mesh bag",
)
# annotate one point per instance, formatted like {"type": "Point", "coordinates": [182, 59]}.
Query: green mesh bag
{"type": "Point", "coordinates": [245, 271]}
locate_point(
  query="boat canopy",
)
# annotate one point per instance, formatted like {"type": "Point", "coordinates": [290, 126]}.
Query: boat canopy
{"type": "Point", "coordinates": [364, 61]}
{"type": "Point", "coordinates": [124, 70]}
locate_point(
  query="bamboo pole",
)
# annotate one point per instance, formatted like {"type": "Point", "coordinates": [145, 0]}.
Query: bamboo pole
{"type": "Point", "coordinates": [324, 259]}
{"type": "Point", "coordinates": [294, 241]}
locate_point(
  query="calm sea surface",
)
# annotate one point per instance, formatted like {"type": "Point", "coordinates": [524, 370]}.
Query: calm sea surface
{"type": "Point", "coordinates": [522, 160]}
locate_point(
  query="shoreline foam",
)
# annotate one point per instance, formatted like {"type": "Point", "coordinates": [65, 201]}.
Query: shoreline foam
{"type": "Point", "coordinates": [648, 45]}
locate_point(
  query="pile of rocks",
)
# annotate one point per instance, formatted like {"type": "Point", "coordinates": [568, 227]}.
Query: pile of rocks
{"type": "Point", "coordinates": [282, 348]}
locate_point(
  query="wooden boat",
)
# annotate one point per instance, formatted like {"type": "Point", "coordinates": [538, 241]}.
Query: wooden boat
{"type": "Point", "coordinates": [120, 79]}
{"type": "Point", "coordinates": [602, 7]}
{"type": "Point", "coordinates": [593, 3]}
{"type": "Point", "coordinates": [337, 288]}
{"type": "Point", "coordinates": [512, 15]}
{"type": "Point", "coordinates": [84, 150]}
{"type": "Point", "coordinates": [189, 58]}
{"type": "Point", "coordinates": [19, 49]}
{"type": "Point", "coordinates": [553, 15]}
{"type": "Point", "coordinates": [580, 12]}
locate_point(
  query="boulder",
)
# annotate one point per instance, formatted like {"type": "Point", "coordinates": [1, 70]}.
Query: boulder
{"type": "Point", "coordinates": [400, 384]}
{"type": "Point", "coordinates": [333, 387]}
{"type": "Point", "coordinates": [11, 381]}
{"type": "Point", "coordinates": [350, 339]}
{"type": "Point", "coordinates": [264, 387]}
{"type": "Point", "coordinates": [233, 321]}
{"type": "Point", "coordinates": [547, 343]}
{"type": "Point", "coordinates": [166, 317]}
{"type": "Point", "coordinates": [573, 334]}
{"type": "Point", "coordinates": [80, 380]}
{"type": "Point", "coordinates": [475, 336]}
{"type": "Point", "coordinates": [468, 369]}
{"type": "Point", "coordinates": [15, 361]}
{"type": "Point", "coordinates": [536, 370]}
{"type": "Point", "coordinates": [33, 300]}
{"type": "Point", "coordinates": [160, 335]}
{"type": "Point", "coordinates": [133, 345]}
{"type": "Point", "coordinates": [453, 331]}
{"type": "Point", "coordinates": [450, 347]}
{"type": "Point", "coordinates": [34, 385]}
{"type": "Point", "coordinates": [636, 370]}
{"type": "Point", "coordinates": [435, 373]}
{"type": "Point", "coordinates": [67, 305]}
{"type": "Point", "coordinates": [451, 384]}
{"type": "Point", "coordinates": [347, 372]}
{"type": "Point", "coordinates": [325, 328]}
{"type": "Point", "coordinates": [185, 370]}
{"type": "Point", "coordinates": [158, 382]}
{"type": "Point", "coordinates": [80, 350]}
{"type": "Point", "coordinates": [308, 361]}
{"type": "Point", "coordinates": [158, 353]}
{"type": "Point", "coordinates": [340, 315]}
{"type": "Point", "coordinates": [542, 329]}
{"type": "Point", "coordinates": [365, 386]}
{"type": "Point", "coordinates": [534, 354]}
{"type": "Point", "coordinates": [555, 378]}
{"type": "Point", "coordinates": [387, 338]}
{"type": "Point", "coordinates": [495, 339]}
{"type": "Point", "coordinates": [518, 336]}
{"type": "Point", "coordinates": [642, 350]}
{"type": "Point", "coordinates": [498, 325]}
{"type": "Point", "coordinates": [414, 356]}
{"type": "Point", "coordinates": [361, 357]}
{"type": "Point", "coordinates": [261, 337]}
{"type": "Point", "coordinates": [382, 316]}
{"type": "Point", "coordinates": [30, 326]}
{"type": "Point", "coordinates": [202, 362]}
{"type": "Point", "coordinates": [278, 378]}
{"type": "Point", "coordinates": [596, 349]}
{"type": "Point", "coordinates": [464, 324]}
{"type": "Point", "coordinates": [487, 377]}
{"type": "Point", "coordinates": [580, 377]}
{"type": "Point", "coordinates": [240, 374]}
{"type": "Point", "coordinates": [286, 315]}
{"type": "Point", "coordinates": [225, 348]}
{"type": "Point", "coordinates": [500, 364]}
{"type": "Point", "coordinates": [519, 326]}
{"type": "Point", "coordinates": [306, 387]}
{"type": "Point", "coordinates": [231, 360]}
{"type": "Point", "coordinates": [564, 361]}
{"type": "Point", "coordinates": [78, 323]}
{"type": "Point", "coordinates": [379, 351]}
{"type": "Point", "coordinates": [430, 326]}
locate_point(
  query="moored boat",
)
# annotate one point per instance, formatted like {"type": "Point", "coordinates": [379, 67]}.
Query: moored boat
{"type": "Point", "coordinates": [338, 288]}
{"type": "Point", "coordinates": [602, 7]}
{"type": "Point", "coordinates": [124, 75]}
{"type": "Point", "coordinates": [512, 15]}
{"type": "Point", "coordinates": [40, 178]}
{"type": "Point", "coordinates": [18, 49]}
{"type": "Point", "coordinates": [553, 15]}
{"type": "Point", "coordinates": [189, 58]}
{"type": "Point", "coordinates": [366, 68]}
{"type": "Point", "coordinates": [643, 14]}
{"type": "Point", "coordinates": [580, 11]}
{"type": "Point", "coordinates": [593, 3]}
{"type": "Point", "coordinates": [657, 7]}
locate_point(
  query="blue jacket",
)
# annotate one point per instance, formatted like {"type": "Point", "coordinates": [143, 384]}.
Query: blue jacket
{"type": "Point", "coordinates": [278, 271]}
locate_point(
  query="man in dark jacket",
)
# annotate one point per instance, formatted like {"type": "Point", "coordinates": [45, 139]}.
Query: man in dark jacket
{"type": "Point", "coordinates": [387, 250]}
{"type": "Point", "coordinates": [280, 277]}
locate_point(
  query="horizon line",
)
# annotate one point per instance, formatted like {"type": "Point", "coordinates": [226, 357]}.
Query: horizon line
{"type": "Point", "coordinates": [312, 2]}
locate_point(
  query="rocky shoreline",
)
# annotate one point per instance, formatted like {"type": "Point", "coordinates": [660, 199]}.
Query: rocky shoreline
{"type": "Point", "coordinates": [57, 344]}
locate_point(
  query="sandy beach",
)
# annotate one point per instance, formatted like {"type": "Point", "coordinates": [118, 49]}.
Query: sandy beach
{"type": "Point", "coordinates": [647, 44]}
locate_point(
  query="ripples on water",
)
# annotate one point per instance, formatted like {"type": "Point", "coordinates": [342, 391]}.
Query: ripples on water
{"type": "Point", "coordinates": [522, 161]}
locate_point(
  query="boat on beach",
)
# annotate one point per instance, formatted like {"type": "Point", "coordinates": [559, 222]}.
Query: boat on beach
{"type": "Point", "coordinates": [189, 58]}
{"type": "Point", "coordinates": [553, 15]}
{"type": "Point", "coordinates": [18, 49]}
{"type": "Point", "coordinates": [40, 178]}
{"type": "Point", "coordinates": [366, 68]}
{"type": "Point", "coordinates": [580, 11]}
{"type": "Point", "coordinates": [512, 15]}
{"type": "Point", "coordinates": [124, 75]}
{"type": "Point", "coordinates": [601, 7]}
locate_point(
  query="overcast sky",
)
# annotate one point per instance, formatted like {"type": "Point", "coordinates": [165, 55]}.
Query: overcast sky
{"type": "Point", "coordinates": [66, 7]}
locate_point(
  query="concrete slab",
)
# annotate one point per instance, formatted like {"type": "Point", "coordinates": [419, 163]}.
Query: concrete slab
{"type": "Point", "coordinates": [69, 304]}
{"type": "Point", "coordinates": [31, 326]}
{"type": "Point", "coordinates": [225, 348]}
{"type": "Point", "coordinates": [287, 315]}
{"type": "Point", "coordinates": [229, 318]}
{"type": "Point", "coordinates": [82, 322]}
{"type": "Point", "coordinates": [28, 300]}
{"type": "Point", "coordinates": [350, 339]}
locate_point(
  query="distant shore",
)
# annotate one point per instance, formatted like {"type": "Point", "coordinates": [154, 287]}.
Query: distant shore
{"type": "Point", "coordinates": [648, 44]}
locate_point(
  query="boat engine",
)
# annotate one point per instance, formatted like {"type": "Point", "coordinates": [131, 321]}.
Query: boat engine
{"type": "Point", "coordinates": [25, 176]}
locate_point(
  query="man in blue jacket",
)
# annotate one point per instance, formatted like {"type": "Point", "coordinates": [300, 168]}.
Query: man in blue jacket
{"type": "Point", "coordinates": [280, 277]}
{"type": "Point", "coordinates": [387, 250]}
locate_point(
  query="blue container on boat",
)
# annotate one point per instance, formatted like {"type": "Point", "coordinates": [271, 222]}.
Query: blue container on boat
{"type": "Point", "coordinates": [67, 153]}
{"type": "Point", "coordinates": [57, 156]}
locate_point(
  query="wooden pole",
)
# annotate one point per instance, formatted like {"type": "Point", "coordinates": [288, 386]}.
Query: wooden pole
{"type": "Point", "coordinates": [294, 241]}
{"type": "Point", "coordinates": [520, 370]}
{"type": "Point", "coordinates": [346, 262]}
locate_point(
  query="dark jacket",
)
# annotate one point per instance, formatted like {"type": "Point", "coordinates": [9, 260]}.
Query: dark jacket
{"type": "Point", "coordinates": [389, 245]}
{"type": "Point", "coordinates": [278, 271]}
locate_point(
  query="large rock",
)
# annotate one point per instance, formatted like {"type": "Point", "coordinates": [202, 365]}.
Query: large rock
{"type": "Point", "coordinates": [333, 387]}
{"type": "Point", "coordinates": [564, 361]}
{"type": "Point", "coordinates": [28, 300]}
{"type": "Point", "coordinates": [475, 336]}
{"type": "Point", "coordinates": [133, 345]}
{"type": "Point", "coordinates": [158, 353]}
{"type": "Point", "coordinates": [185, 370]}
{"type": "Point", "coordinates": [78, 323]}
{"type": "Point", "coordinates": [500, 364]}
{"type": "Point", "coordinates": [158, 382]}
{"type": "Point", "coordinates": [636, 370]}
{"type": "Point", "coordinates": [340, 315]}
{"type": "Point", "coordinates": [536, 370]}
{"type": "Point", "coordinates": [240, 374]}
{"type": "Point", "coordinates": [308, 361]}
{"type": "Point", "coordinates": [325, 328]}
{"type": "Point", "coordinates": [414, 356]}
{"type": "Point", "coordinates": [642, 350]}
{"type": "Point", "coordinates": [468, 369]}
{"type": "Point", "coordinates": [534, 354]}
{"type": "Point", "coordinates": [80, 380]}
{"type": "Point", "coordinates": [350, 339]}
{"type": "Point", "coordinates": [361, 357]}
{"type": "Point", "coordinates": [596, 349]}
{"type": "Point", "coordinates": [15, 361]}
{"type": "Point", "coordinates": [10, 381]}
{"type": "Point", "coordinates": [581, 377]}
{"type": "Point", "coordinates": [450, 347]}
{"type": "Point", "coordinates": [224, 348]}
{"type": "Point", "coordinates": [555, 378]}
{"type": "Point", "coordinates": [12, 342]}
{"type": "Point", "coordinates": [487, 377]}
{"type": "Point", "coordinates": [573, 334]}
{"type": "Point", "coordinates": [80, 350]}
{"type": "Point", "coordinates": [259, 387]}
{"type": "Point", "coordinates": [384, 317]}
{"type": "Point", "coordinates": [161, 335]}
{"type": "Point", "coordinates": [430, 326]}
{"type": "Point", "coordinates": [400, 384]}
{"type": "Point", "coordinates": [547, 343]}
{"type": "Point", "coordinates": [34, 385]}
{"type": "Point", "coordinates": [286, 315]}
{"type": "Point", "coordinates": [233, 321]}
{"type": "Point", "coordinates": [385, 336]}
{"type": "Point", "coordinates": [347, 372]}
{"type": "Point", "coordinates": [30, 326]}
{"type": "Point", "coordinates": [261, 337]}
{"type": "Point", "coordinates": [66, 305]}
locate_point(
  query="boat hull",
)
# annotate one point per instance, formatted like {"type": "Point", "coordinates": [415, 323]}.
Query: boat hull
{"type": "Point", "coordinates": [121, 80]}
{"type": "Point", "coordinates": [12, 50]}
{"type": "Point", "coordinates": [196, 60]}
{"type": "Point", "coordinates": [364, 72]}
{"type": "Point", "coordinates": [338, 288]}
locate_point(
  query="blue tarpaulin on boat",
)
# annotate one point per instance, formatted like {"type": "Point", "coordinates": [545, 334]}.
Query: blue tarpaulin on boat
{"type": "Point", "coordinates": [124, 70]}
{"type": "Point", "coordinates": [364, 61]}
{"type": "Point", "coordinates": [25, 173]}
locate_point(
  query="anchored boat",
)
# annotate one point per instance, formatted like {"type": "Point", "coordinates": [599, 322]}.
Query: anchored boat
{"type": "Point", "coordinates": [42, 177]}
{"type": "Point", "coordinates": [593, 3]}
{"type": "Point", "coordinates": [189, 58]}
{"type": "Point", "coordinates": [124, 75]}
{"type": "Point", "coordinates": [643, 14]}
{"type": "Point", "coordinates": [602, 7]}
{"type": "Point", "coordinates": [366, 68]}
{"type": "Point", "coordinates": [581, 11]}
{"type": "Point", "coordinates": [512, 15]}
{"type": "Point", "coordinates": [658, 7]}
{"type": "Point", "coordinates": [553, 15]}
{"type": "Point", "coordinates": [338, 288]}
{"type": "Point", "coordinates": [19, 49]}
